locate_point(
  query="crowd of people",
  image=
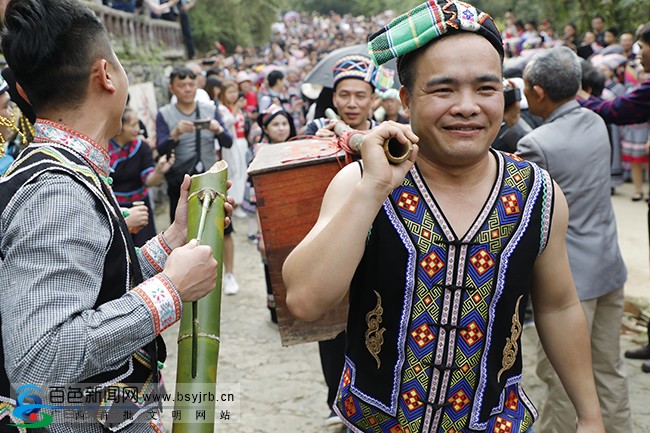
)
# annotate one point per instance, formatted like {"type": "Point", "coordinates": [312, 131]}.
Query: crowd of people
{"type": "Point", "coordinates": [170, 10]}
{"type": "Point", "coordinates": [508, 231]}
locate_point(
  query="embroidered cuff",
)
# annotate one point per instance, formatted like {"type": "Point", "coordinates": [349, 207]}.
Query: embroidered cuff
{"type": "Point", "coordinates": [156, 252]}
{"type": "Point", "coordinates": [162, 299]}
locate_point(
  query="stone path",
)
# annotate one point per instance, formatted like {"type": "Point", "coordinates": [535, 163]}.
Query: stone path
{"type": "Point", "coordinates": [282, 389]}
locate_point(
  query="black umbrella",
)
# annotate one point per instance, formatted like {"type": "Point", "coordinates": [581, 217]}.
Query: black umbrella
{"type": "Point", "coordinates": [321, 75]}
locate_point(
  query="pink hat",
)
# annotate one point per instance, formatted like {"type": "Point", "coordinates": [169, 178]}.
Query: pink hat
{"type": "Point", "coordinates": [242, 76]}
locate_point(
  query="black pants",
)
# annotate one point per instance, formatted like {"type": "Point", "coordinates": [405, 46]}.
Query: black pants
{"type": "Point", "coordinates": [174, 193]}
{"type": "Point", "coordinates": [332, 359]}
{"type": "Point", "coordinates": [186, 28]}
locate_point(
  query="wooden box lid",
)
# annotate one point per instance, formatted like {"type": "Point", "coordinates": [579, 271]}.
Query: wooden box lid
{"type": "Point", "coordinates": [292, 154]}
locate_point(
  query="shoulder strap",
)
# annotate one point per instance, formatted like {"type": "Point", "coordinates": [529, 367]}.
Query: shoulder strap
{"type": "Point", "coordinates": [197, 137]}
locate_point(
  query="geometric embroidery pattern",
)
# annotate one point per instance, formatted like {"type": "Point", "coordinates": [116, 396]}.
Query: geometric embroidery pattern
{"type": "Point", "coordinates": [346, 377]}
{"type": "Point", "coordinates": [476, 312]}
{"type": "Point", "coordinates": [511, 204]}
{"type": "Point", "coordinates": [474, 309]}
{"type": "Point", "coordinates": [459, 400]}
{"type": "Point", "coordinates": [502, 425]}
{"type": "Point", "coordinates": [425, 310]}
{"type": "Point", "coordinates": [518, 177]}
{"type": "Point", "coordinates": [422, 335]}
{"type": "Point", "coordinates": [432, 264]}
{"type": "Point", "coordinates": [372, 417]}
{"type": "Point", "coordinates": [6, 410]}
{"type": "Point", "coordinates": [350, 409]}
{"type": "Point", "coordinates": [472, 334]}
{"type": "Point", "coordinates": [482, 262]}
{"type": "Point", "coordinates": [512, 401]}
{"type": "Point", "coordinates": [408, 201]}
{"type": "Point", "coordinates": [497, 234]}
{"type": "Point", "coordinates": [412, 399]}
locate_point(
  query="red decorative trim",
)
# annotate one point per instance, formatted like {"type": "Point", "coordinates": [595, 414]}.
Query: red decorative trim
{"type": "Point", "coordinates": [77, 134]}
{"type": "Point", "coordinates": [152, 308]}
{"type": "Point", "coordinates": [164, 243]}
{"type": "Point", "coordinates": [156, 252]}
{"type": "Point", "coordinates": [48, 131]}
{"type": "Point", "coordinates": [145, 253]}
{"type": "Point", "coordinates": [162, 299]}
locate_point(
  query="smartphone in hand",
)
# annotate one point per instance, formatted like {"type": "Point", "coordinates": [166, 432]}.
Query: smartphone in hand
{"type": "Point", "coordinates": [201, 123]}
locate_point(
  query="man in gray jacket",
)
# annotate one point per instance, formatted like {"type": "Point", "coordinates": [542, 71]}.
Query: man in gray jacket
{"type": "Point", "coordinates": [573, 145]}
{"type": "Point", "coordinates": [188, 128]}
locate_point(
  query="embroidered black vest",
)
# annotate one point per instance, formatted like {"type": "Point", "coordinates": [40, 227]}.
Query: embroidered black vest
{"type": "Point", "coordinates": [121, 273]}
{"type": "Point", "coordinates": [435, 320]}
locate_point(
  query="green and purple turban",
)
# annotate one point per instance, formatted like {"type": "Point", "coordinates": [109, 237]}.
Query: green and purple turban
{"type": "Point", "coordinates": [429, 21]}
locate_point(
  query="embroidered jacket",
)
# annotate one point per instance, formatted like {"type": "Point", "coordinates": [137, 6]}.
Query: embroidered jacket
{"type": "Point", "coordinates": [75, 307]}
{"type": "Point", "coordinates": [435, 319]}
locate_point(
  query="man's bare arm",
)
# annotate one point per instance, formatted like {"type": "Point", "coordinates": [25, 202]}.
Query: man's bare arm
{"type": "Point", "coordinates": [561, 323]}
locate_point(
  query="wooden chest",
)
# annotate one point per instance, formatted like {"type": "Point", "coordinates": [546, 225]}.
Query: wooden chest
{"type": "Point", "coordinates": [290, 180]}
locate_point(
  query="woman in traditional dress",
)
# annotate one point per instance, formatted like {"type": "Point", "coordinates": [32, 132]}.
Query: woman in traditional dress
{"type": "Point", "coordinates": [133, 171]}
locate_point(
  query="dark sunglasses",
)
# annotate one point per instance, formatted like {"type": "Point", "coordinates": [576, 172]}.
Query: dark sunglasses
{"type": "Point", "coordinates": [182, 75]}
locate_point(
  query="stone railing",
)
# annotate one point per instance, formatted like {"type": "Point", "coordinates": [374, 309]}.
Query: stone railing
{"type": "Point", "coordinates": [133, 33]}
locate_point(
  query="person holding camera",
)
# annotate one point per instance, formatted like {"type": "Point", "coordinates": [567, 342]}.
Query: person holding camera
{"type": "Point", "coordinates": [573, 145]}
{"type": "Point", "coordinates": [188, 128]}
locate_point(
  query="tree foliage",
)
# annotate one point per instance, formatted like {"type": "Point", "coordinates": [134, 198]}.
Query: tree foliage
{"type": "Point", "coordinates": [355, 7]}
{"type": "Point", "coordinates": [625, 15]}
{"type": "Point", "coordinates": [248, 22]}
{"type": "Point", "coordinates": [233, 22]}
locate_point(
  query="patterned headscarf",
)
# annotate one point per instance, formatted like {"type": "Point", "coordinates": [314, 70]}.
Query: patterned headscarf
{"type": "Point", "coordinates": [429, 21]}
{"type": "Point", "coordinates": [3, 85]}
{"type": "Point", "coordinates": [269, 114]}
{"type": "Point", "coordinates": [355, 66]}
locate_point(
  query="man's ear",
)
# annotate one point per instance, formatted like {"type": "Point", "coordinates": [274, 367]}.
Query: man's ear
{"type": "Point", "coordinates": [105, 77]}
{"type": "Point", "coordinates": [541, 94]}
{"type": "Point", "coordinates": [22, 92]}
{"type": "Point", "coordinates": [335, 100]}
{"type": "Point", "coordinates": [404, 97]}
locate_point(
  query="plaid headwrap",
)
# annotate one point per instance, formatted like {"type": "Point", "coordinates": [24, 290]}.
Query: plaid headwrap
{"type": "Point", "coordinates": [356, 66]}
{"type": "Point", "coordinates": [429, 21]}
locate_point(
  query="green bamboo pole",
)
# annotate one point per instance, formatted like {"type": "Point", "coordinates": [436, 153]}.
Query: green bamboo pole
{"type": "Point", "coordinates": [198, 338]}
